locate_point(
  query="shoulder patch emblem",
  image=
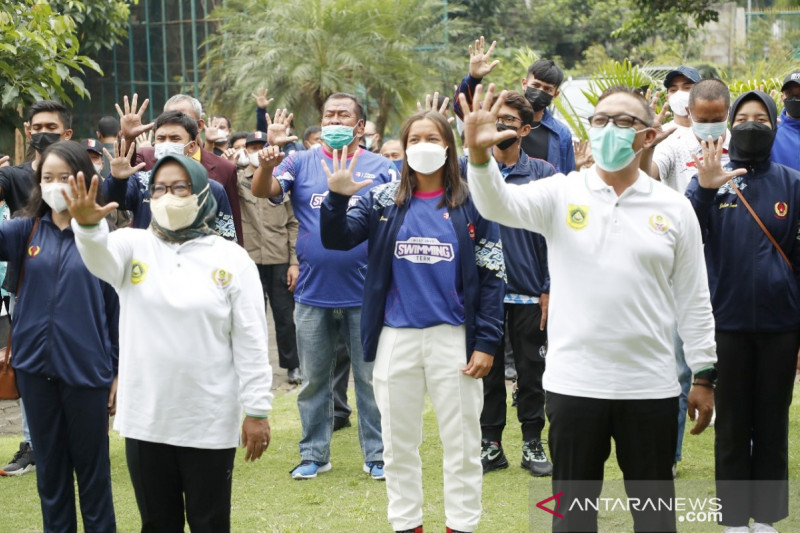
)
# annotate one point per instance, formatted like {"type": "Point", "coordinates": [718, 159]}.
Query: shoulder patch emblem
{"type": "Point", "coordinates": [222, 278]}
{"type": "Point", "coordinates": [138, 272]}
{"type": "Point", "coordinates": [577, 216]}
{"type": "Point", "coordinates": [781, 210]}
{"type": "Point", "coordinates": [33, 251]}
{"type": "Point", "coordinates": [658, 223]}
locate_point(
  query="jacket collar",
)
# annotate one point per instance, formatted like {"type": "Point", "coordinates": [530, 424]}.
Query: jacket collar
{"type": "Point", "coordinates": [788, 122]}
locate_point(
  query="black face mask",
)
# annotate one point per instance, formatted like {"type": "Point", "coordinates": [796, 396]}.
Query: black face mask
{"type": "Point", "coordinates": [40, 141]}
{"type": "Point", "coordinates": [751, 141]}
{"type": "Point", "coordinates": [506, 142]}
{"type": "Point", "coordinates": [792, 106]}
{"type": "Point", "coordinates": [538, 98]}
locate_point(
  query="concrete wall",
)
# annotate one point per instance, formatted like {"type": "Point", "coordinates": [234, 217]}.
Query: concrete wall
{"type": "Point", "coordinates": [723, 38]}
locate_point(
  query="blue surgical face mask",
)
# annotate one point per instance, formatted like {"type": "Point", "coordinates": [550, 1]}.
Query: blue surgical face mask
{"type": "Point", "coordinates": [398, 165]}
{"type": "Point", "coordinates": [612, 146]}
{"type": "Point", "coordinates": [703, 129]}
{"type": "Point", "coordinates": [338, 136]}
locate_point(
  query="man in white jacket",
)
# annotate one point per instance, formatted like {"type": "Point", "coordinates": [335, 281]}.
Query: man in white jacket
{"type": "Point", "coordinates": [624, 253]}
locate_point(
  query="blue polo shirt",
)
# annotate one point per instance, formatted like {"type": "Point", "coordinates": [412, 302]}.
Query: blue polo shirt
{"type": "Point", "coordinates": [328, 278]}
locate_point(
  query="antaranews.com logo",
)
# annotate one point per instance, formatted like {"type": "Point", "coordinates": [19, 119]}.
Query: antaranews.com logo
{"type": "Point", "coordinates": [687, 505]}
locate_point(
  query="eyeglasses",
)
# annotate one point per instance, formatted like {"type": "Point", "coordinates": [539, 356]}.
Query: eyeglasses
{"type": "Point", "coordinates": [623, 120]}
{"type": "Point", "coordinates": [508, 120]}
{"type": "Point", "coordinates": [182, 188]}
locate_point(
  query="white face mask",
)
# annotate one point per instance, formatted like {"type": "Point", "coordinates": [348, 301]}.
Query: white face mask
{"type": "Point", "coordinates": [98, 167]}
{"type": "Point", "coordinates": [678, 102]}
{"type": "Point", "coordinates": [426, 158]}
{"type": "Point", "coordinates": [175, 212]}
{"type": "Point", "coordinates": [242, 160]}
{"type": "Point", "coordinates": [254, 159]}
{"type": "Point", "coordinates": [166, 148]}
{"type": "Point", "coordinates": [51, 194]}
{"type": "Point", "coordinates": [313, 146]}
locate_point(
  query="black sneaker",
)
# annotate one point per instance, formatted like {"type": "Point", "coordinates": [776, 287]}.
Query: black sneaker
{"type": "Point", "coordinates": [22, 463]}
{"type": "Point", "coordinates": [294, 376]}
{"type": "Point", "coordinates": [492, 456]}
{"type": "Point", "coordinates": [535, 460]}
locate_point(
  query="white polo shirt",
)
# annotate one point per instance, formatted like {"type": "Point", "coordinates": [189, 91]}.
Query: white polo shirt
{"type": "Point", "coordinates": [619, 268]}
{"type": "Point", "coordinates": [193, 335]}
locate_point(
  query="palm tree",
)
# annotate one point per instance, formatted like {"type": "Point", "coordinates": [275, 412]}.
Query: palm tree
{"type": "Point", "coordinates": [305, 51]}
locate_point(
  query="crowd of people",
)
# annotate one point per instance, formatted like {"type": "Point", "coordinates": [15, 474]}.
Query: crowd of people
{"type": "Point", "coordinates": [631, 280]}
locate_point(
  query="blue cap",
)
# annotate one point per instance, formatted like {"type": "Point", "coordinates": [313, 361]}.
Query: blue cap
{"type": "Point", "coordinates": [682, 70]}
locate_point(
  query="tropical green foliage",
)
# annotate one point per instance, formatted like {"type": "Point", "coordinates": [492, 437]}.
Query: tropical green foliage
{"type": "Point", "coordinates": [99, 23]}
{"type": "Point", "coordinates": [614, 73]}
{"type": "Point", "coordinates": [43, 46]}
{"type": "Point", "coordinates": [388, 53]}
{"type": "Point", "coordinates": [665, 17]}
{"type": "Point", "coordinates": [39, 54]}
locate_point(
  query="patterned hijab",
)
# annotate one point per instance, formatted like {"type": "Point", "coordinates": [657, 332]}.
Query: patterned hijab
{"type": "Point", "coordinates": [204, 222]}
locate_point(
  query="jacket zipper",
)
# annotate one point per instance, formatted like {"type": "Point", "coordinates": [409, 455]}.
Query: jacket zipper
{"type": "Point", "coordinates": [53, 296]}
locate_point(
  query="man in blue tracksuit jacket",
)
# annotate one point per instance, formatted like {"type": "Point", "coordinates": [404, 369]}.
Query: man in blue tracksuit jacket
{"type": "Point", "coordinates": [786, 149]}
{"type": "Point", "coordinates": [525, 308]}
{"type": "Point", "coordinates": [548, 138]}
{"type": "Point", "coordinates": [755, 294]}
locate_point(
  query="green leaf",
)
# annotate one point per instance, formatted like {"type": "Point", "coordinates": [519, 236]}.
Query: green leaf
{"type": "Point", "coordinates": [63, 72]}
{"type": "Point", "coordinates": [10, 94]}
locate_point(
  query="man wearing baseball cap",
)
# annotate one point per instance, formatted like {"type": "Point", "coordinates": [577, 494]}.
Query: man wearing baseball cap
{"type": "Point", "coordinates": [270, 234]}
{"type": "Point", "coordinates": [786, 149]}
{"type": "Point", "coordinates": [95, 150]}
{"type": "Point", "coordinates": [678, 83]}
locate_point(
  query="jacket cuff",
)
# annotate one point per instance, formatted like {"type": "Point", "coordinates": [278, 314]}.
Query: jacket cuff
{"type": "Point", "coordinates": [486, 347]}
{"type": "Point", "coordinates": [705, 195]}
{"type": "Point", "coordinates": [338, 200]}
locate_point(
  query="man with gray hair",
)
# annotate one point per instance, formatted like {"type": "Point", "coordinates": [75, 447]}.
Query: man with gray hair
{"type": "Point", "coordinates": [219, 169]}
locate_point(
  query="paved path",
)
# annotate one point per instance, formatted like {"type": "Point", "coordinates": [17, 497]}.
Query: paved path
{"type": "Point", "coordinates": [11, 418]}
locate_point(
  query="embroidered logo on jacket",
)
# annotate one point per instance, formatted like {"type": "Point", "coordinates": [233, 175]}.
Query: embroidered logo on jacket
{"type": "Point", "coordinates": [33, 251]}
{"type": "Point", "coordinates": [577, 216]}
{"type": "Point", "coordinates": [423, 250]}
{"type": "Point", "coordinates": [138, 272]}
{"type": "Point", "coordinates": [658, 223]}
{"type": "Point", "coordinates": [222, 278]}
{"type": "Point", "coordinates": [489, 255]}
{"type": "Point", "coordinates": [781, 210]}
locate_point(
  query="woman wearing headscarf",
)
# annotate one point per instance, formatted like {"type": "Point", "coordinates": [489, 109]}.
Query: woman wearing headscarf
{"type": "Point", "coordinates": [749, 213]}
{"type": "Point", "coordinates": [432, 312]}
{"type": "Point", "coordinates": [193, 346]}
{"type": "Point", "coordinates": [64, 348]}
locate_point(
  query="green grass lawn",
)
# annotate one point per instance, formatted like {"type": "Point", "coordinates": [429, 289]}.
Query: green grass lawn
{"type": "Point", "coordinates": [266, 499]}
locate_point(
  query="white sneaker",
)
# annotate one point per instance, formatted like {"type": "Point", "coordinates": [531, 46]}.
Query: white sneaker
{"type": "Point", "coordinates": [737, 529]}
{"type": "Point", "coordinates": [759, 527]}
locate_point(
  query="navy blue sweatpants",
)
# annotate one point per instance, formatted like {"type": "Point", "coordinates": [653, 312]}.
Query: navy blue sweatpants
{"type": "Point", "coordinates": [69, 431]}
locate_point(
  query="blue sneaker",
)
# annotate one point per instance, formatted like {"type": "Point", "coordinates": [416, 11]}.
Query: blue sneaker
{"type": "Point", "coordinates": [375, 469]}
{"type": "Point", "coordinates": [310, 469]}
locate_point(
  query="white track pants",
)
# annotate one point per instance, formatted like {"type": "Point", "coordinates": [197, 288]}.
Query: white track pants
{"type": "Point", "coordinates": [408, 363]}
